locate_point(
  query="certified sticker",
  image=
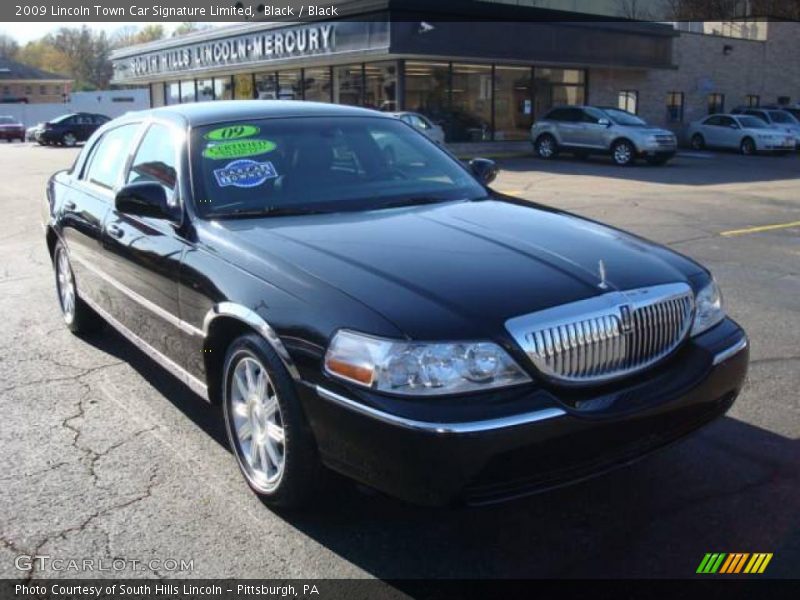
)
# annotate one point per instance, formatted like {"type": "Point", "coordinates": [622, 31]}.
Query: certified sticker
{"type": "Point", "coordinates": [238, 149]}
{"type": "Point", "coordinates": [232, 132]}
{"type": "Point", "coordinates": [245, 173]}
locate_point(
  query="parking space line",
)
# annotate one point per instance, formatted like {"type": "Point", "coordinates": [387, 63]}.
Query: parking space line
{"type": "Point", "coordinates": [760, 228]}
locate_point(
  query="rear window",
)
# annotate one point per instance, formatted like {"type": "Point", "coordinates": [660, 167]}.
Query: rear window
{"type": "Point", "coordinates": [315, 164]}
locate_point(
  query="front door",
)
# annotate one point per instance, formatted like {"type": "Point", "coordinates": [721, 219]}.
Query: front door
{"type": "Point", "coordinates": [143, 254]}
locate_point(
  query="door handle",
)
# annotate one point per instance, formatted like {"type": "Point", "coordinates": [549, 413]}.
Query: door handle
{"type": "Point", "coordinates": [70, 205]}
{"type": "Point", "coordinates": [115, 231]}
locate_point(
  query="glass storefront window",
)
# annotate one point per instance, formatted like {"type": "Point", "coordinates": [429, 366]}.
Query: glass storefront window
{"type": "Point", "coordinates": [174, 92]}
{"type": "Point", "coordinates": [471, 114]}
{"type": "Point", "coordinates": [512, 103]}
{"type": "Point", "coordinates": [205, 90]}
{"type": "Point", "coordinates": [187, 91]}
{"type": "Point", "coordinates": [554, 87]}
{"type": "Point", "coordinates": [427, 90]}
{"type": "Point", "coordinates": [570, 76]}
{"type": "Point", "coordinates": [317, 83]}
{"type": "Point", "coordinates": [380, 86]}
{"type": "Point", "coordinates": [156, 94]}
{"type": "Point", "coordinates": [223, 88]}
{"type": "Point", "coordinates": [243, 86]}
{"type": "Point", "coordinates": [348, 85]}
{"type": "Point", "coordinates": [267, 86]}
{"type": "Point", "coordinates": [568, 94]}
{"type": "Point", "coordinates": [291, 83]}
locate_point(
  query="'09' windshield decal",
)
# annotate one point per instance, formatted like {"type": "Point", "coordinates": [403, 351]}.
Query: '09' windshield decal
{"type": "Point", "coordinates": [245, 173]}
{"type": "Point", "coordinates": [231, 132]}
{"type": "Point", "coordinates": [238, 149]}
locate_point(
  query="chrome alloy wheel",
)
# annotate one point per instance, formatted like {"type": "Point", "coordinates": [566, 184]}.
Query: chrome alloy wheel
{"type": "Point", "coordinates": [69, 139]}
{"type": "Point", "coordinates": [65, 283]}
{"type": "Point", "coordinates": [257, 429]}
{"type": "Point", "coordinates": [546, 147]}
{"type": "Point", "coordinates": [623, 153]}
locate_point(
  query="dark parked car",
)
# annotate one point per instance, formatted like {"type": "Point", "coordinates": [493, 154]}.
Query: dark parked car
{"type": "Point", "coordinates": [71, 129]}
{"type": "Point", "coordinates": [395, 320]}
{"type": "Point", "coordinates": [11, 129]}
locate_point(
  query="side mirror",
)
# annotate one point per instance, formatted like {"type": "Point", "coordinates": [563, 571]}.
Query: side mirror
{"type": "Point", "coordinates": [605, 122]}
{"type": "Point", "coordinates": [143, 199]}
{"type": "Point", "coordinates": [484, 170]}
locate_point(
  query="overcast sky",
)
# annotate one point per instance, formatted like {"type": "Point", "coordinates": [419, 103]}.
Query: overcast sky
{"type": "Point", "coordinates": [25, 32]}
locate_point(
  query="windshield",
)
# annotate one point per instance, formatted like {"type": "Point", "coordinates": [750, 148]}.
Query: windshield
{"type": "Point", "coordinates": [778, 116]}
{"type": "Point", "coordinates": [621, 117]}
{"type": "Point", "coordinates": [752, 123]}
{"type": "Point", "coordinates": [315, 164]}
{"type": "Point", "coordinates": [62, 118]}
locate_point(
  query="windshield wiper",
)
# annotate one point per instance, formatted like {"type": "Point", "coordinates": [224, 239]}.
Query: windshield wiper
{"type": "Point", "coordinates": [417, 201]}
{"type": "Point", "coordinates": [266, 211]}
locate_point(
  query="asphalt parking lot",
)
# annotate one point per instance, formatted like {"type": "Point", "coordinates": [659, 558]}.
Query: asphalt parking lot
{"type": "Point", "coordinates": [104, 455]}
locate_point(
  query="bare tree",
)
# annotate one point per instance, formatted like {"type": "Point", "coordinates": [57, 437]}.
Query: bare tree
{"type": "Point", "coordinates": [8, 46]}
{"type": "Point", "coordinates": [637, 10]}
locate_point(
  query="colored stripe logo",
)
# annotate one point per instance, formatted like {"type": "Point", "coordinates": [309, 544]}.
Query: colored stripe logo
{"type": "Point", "coordinates": [734, 563]}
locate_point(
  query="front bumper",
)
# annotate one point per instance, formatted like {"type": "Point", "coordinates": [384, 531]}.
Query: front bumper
{"type": "Point", "coordinates": [517, 442]}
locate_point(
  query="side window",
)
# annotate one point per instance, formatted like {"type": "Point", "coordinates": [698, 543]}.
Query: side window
{"type": "Point", "coordinates": [109, 156]}
{"type": "Point", "coordinates": [726, 121]}
{"type": "Point", "coordinates": [573, 115]}
{"type": "Point", "coordinates": [155, 159]}
{"type": "Point", "coordinates": [715, 121]}
{"type": "Point", "coordinates": [556, 115]}
{"type": "Point", "coordinates": [591, 115]}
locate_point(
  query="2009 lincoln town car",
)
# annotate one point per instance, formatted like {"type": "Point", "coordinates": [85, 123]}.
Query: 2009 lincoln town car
{"type": "Point", "coordinates": [355, 297]}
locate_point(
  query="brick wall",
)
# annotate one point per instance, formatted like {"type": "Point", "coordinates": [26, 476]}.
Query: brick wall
{"type": "Point", "coordinates": [768, 69]}
{"type": "Point", "coordinates": [53, 91]}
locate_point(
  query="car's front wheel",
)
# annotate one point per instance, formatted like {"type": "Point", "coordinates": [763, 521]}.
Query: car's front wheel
{"type": "Point", "coordinates": [747, 147]}
{"type": "Point", "coordinates": [623, 153]}
{"type": "Point", "coordinates": [266, 428]}
{"type": "Point", "coordinates": [546, 146]}
{"type": "Point", "coordinates": [78, 316]}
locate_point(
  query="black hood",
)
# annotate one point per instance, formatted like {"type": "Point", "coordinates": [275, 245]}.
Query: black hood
{"type": "Point", "coordinates": [460, 270]}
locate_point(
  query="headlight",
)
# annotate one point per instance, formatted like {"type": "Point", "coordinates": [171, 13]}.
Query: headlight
{"type": "Point", "coordinates": [420, 368]}
{"type": "Point", "coordinates": [708, 308]}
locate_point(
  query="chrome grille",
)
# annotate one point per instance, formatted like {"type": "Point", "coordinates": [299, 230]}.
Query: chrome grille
{"type": "Point", "coordinates": [608, 336]}
{"type": "Point", "coordinates": [663, 139]}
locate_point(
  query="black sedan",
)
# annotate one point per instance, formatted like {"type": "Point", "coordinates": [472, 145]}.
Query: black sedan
{"type": "Point", "coordinates": [355, 297]}
{"type": "Point", "coordinates": [70, 129]}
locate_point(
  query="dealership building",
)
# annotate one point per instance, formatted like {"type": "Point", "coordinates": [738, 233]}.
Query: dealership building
{"type": "Point", "coordinates": [484, 70]}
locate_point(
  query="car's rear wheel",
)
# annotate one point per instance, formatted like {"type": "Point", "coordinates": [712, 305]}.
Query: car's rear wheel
{"type": "Point", "coordinates": [747, 147]}
{"type": "Point", "coordinates": [69, 139]}
{"type": "Point", "coordinates": [77, 315]}
{"type": "Point", "coordinates": [546, 147]}
{"type": "Point", "coordinates": [266, 428]}
{"type": "Point", "coordinates": [623, 153]}
{"type": "Point", "coordinates": [698, 142]}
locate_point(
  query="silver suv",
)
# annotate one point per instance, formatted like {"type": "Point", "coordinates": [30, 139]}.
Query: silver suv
{"type": "Point", "coordinates": [585, 130]}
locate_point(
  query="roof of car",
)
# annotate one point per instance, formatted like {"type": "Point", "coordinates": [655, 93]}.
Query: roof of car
{"type": "Point", "coordinates": [204, 113]}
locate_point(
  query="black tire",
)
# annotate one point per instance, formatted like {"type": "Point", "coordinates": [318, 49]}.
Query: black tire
{"type": "Point", "coordinates": [297, 483]}
{"type": "Point", "coordinates": [69, 139]}
{"type": "Point", "coordinates": [623, 153]}
{"type": "Point", "coordinates": [698, 142]}
{"type": "Point", "coordinates": [657, 161]}
{"type": "Point", "coordinates": [747, 147]}
{"type": "Point", "coordinates": [546, 147]}
{"type": "Point", "coordinates": [78, 316]}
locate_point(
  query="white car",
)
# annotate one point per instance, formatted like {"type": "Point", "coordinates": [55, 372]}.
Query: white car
{"type": "Point", "coordinates": [422, 124]}
{"type": "Point", "coordinates": [745, 133]}
{"type": "Point", "coordinates": [781, 120]}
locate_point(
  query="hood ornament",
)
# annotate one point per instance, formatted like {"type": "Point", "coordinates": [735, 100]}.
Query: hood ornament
{"type": "Point", "coordinates": [601, 269]}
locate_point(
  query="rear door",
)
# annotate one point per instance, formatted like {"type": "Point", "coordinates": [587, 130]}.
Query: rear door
{"type": "Point", "coordinates": [568, 123]}
{"type": "Point", "coordinates": [729, 133]}
{"type": "Point", "coordinates": [143, 254]}
{"type": "Point", "coordinates": [86, 204]}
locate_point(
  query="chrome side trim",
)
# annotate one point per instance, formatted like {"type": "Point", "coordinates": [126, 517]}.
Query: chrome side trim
{"type": "Point", "coordinates": [730, 352]}
{"type": "Point", "coordinates": [141, 300]}
{"type": "Point", "coordinates": [251, 318]}
{"type": "Point", "coordinates": [190, 380]}
{"type": "Point", "coordinates": [441, 428]}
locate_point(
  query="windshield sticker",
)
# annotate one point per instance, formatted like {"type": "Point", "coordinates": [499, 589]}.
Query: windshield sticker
{"type": "Point", "coordinates": [232, 132]}
{"type": "Point", "coordinates": [238, 149]}
{"type": "Point", "coordinates": [245, 173]}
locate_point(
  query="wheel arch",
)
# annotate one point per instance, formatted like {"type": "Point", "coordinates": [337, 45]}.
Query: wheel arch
{"type": "Point", "coordinates": [52, 238]}
{"type": "Point", "coordinates": [623, 138]}
{"type": "Point", "coordinates": [224, 323]}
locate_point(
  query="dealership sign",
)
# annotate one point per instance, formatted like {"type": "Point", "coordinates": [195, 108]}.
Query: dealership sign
{"type": "Point", "coordinates": [310, 40]}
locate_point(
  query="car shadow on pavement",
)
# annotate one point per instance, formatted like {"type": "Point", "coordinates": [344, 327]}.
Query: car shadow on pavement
{"type": "Point", "coordinates": [693, 168]}
{"type": "Point", "coordinates": [731, 487]}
